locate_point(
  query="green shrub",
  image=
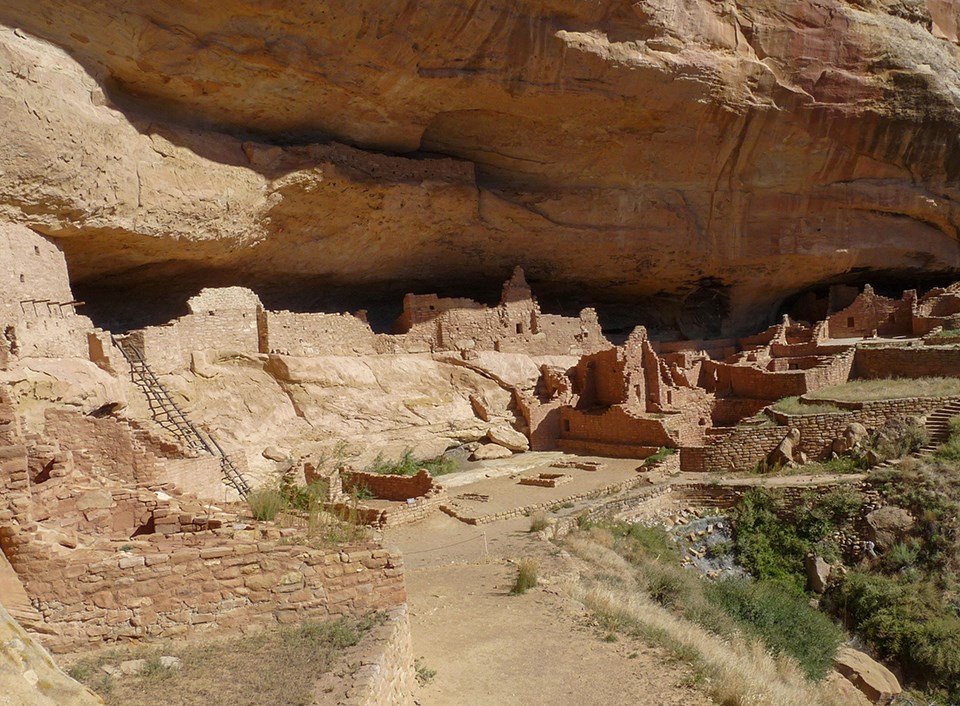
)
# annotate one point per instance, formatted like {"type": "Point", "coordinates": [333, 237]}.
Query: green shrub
{"type": "Point", "coordinates": [950, 450]}
{"type": "Point", "coordinates": [899, 437]}
{"type": "Point", "coordinates": [902, 555]}
{"type": "Point", "coordinates": [780, 617]}
{"type": "Point", "coordinates": [906, 619]}
{"type": "Point", "coordinates": [773, 541]}
{"type": "Point", "coordinates": [526, 576]}
{"type": "Point", "coordinates": [662, 453]}
{"type": "Point", "coordinates": [407, 465]}
{"type": "Point", "coordinates": [265, 503]}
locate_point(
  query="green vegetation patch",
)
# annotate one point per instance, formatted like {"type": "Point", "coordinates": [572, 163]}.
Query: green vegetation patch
{"type": "Point", "coordinates": [407, 465]}
{"type": "Point", "coordinates": [782, 619]}
{"type": "Point", "coordinates": [773, 539]}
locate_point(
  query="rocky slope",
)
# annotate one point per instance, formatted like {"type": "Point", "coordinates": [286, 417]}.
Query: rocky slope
{"type": "Point", "coordinates": [721, 155]}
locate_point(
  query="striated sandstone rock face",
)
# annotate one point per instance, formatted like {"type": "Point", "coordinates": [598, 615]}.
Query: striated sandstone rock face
{"type": "Point", "coordinates": [721, 155]}
{"type": "Point", "coordinates": [29, 676]}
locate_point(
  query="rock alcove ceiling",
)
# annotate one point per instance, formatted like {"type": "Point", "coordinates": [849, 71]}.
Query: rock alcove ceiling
{"type": "Point", "coordinates": [693, 159]}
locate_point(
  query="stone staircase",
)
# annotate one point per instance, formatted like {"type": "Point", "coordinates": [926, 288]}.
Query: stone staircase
{"type": "Point", "coordinates": [938, 426]}
{"type": "Point", "coordinates": [938, 432]}
{"type": "Point", "coordinates": [167, 413]}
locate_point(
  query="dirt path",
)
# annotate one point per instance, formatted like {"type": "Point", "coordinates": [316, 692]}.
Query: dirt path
{"type": "Point", "coordinates": [489, 648]}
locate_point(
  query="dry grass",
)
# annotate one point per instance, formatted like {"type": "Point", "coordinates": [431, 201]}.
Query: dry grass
{"type": "Point", "coordinates": [889, 388]}
{"type": "Point", "coordinates": [733, 671]}
{"type": "Point", "coordinates": [278, 666]}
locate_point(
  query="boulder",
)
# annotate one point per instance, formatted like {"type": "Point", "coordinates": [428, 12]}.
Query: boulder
{"type": "Point", "coordinates": [846, 692]}
{"type": "Point", "coordinates": [888, 525]}
{"type": "Point", "coordinates": [818, 573]}
{"type": "Point", "coordinates": [875, 681]}
{"type": "Point", "coordinates": [508, 438]}
{"type": "Point", "coordinates": [275, 453]}
{"type": "Point", "coordinates": [488, 452]}
{"type": "Point", "coordinates": [786, 451]}
{"type": "Point", "coordinates": [852, 437]}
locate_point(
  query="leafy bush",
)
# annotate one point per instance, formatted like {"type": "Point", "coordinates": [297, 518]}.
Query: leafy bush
{"type": "Point", "coordinates": [772, 541]}
{"type": "Point", "coordinates": [906, 619]}
{"type": "Point", "coordinates": [637, 543]}
{"type": "Point", "coordinates": [526, 576]}
{"type": "Point", "coordinates": [662, 453]}
{"type": "Point", "coordinates": [265, 503]}
{"type": "Point", "coordinates": [902, 555]}
{"type": "Point", "coordinates": [407, 465]}
{"type": "Point", "coordinates": [782, 619]}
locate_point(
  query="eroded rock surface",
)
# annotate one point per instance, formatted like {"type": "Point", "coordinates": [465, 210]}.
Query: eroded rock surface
{"type": "Point", "coordinates": [720, 155]}
{"type": "Point", "coordinates": [29, 676]}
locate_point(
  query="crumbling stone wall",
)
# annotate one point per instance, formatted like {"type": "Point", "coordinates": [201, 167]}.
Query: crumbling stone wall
{"type": "Point", "coordinates": [611, 432]}
{"type": "Point", "coordinates": [38, 316]}
{"type": "Point", "coordinates": [419, 494]}
{"type": "Point", "coordinates": [515, 325]}
{"type": "Point", "coordinates": [167, 348]}
{"type": "Point", "coordinates": [173, 577]}
{"type": "Point", "coordinates": [871, 313]}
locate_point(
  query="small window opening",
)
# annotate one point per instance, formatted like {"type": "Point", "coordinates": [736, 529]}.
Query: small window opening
{"type": "Point", "coordinates": [519, 328]}
{"type": "Point", "coordinates": [566, 425]}
{"type": "Point", "coordinates": [850, 321]}
{"type": "Point", "coordinates": [22, 278]}
{"type": "Point", "coordinates": [892, 318]}
{"type": "Point", "coordinates": [36, 249]}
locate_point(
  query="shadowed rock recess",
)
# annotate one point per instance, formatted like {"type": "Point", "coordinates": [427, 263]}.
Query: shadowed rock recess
{"type": "Point", "coordinates": [712, 158]}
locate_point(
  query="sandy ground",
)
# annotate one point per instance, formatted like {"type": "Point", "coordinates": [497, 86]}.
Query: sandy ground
{"type": "Point", "coordinates": [490, 648]}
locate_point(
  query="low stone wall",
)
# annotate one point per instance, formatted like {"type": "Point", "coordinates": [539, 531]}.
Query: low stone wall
{"type": "Point", "coordinates": [386, 674]}
{"type": "Point", "coordinates": [170, 586]}
{"type": "Point", "coordinates": [724, 497]}
{"type": "Point", "coordinates": [746, 446]}
{"type": "Point", "coordinates": [914, 362]}
{"type": "Point", "coordinates": [420, 494]}
{"type": "Point", "coordinates": [740, 449]}
{"type": "Point", "coordinates": [640, 479]}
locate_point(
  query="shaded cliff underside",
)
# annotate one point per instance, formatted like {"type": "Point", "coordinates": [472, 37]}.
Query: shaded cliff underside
{"type": "Point", "coordinates": [703, 160]}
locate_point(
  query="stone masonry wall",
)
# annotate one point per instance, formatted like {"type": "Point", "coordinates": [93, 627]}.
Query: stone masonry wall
{"type": "Point", "coordinates": [746, 446]}
{"type": "Point", "coordinates": [297, 334]}
{"type": "Point", "coordinates": [167, 348]}
{"type": "Point", "coordinates": [419, 494]}
{"type": "Point", "coordinates": [167, 587]}
{"type": "Point", "coordinates": [913, 362]}
{"type": "Point", "coordinates": [386, 673]}
{"type": "Point", "coordinates": [613, 431]}
{"type": "Point", "coordinates": [100, 446]}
